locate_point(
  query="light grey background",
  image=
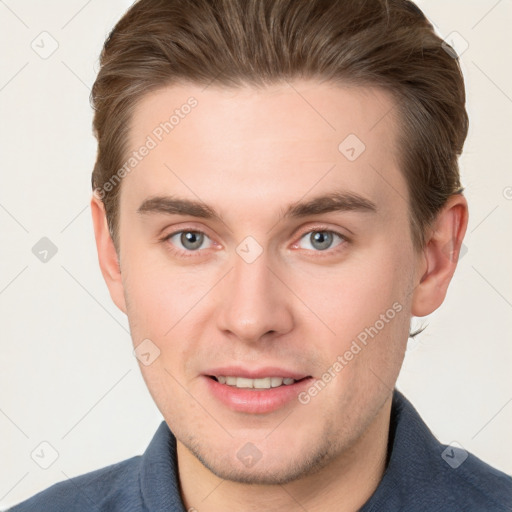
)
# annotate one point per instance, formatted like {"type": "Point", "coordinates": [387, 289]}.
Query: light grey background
{"type": "Point", "coordinates": [67, 373]}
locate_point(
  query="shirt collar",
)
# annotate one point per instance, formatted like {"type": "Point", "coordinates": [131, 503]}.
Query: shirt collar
{"type": "Point", "coordinates": [410, 448]}
{"type": "Point", "coordinates": [159, 482]}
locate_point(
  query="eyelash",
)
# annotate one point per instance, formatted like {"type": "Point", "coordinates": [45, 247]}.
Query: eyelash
{"type": "Point", "coordinates": [316, 229]}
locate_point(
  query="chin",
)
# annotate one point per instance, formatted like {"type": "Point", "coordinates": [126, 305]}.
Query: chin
{"type": "Point", "coordinates": [249, 465]}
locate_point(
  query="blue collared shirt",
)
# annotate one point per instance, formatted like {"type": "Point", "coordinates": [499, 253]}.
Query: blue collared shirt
{"type": "Point", "coordinates": [421, 475]}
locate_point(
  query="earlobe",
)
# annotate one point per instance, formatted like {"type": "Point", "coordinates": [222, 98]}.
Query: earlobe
{"type": "Point", "coordinates": [440, 256]}
{"type": "Point", "coordinates": [107, 254]}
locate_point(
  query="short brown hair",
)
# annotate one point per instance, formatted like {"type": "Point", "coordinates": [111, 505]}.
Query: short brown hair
{"type": "Point", "coordinates": [385, 43]}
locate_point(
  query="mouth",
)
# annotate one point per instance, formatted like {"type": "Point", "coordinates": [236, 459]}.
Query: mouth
{"type": "Point", "coordinates": [261, 383]}
{"type": "Point", "coordinates": [255, 392]}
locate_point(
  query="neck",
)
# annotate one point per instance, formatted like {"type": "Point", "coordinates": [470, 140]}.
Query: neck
{"type": "Point", "coordinates": [344, 485]}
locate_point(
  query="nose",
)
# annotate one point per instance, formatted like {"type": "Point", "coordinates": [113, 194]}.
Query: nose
{"type": "Point", "coordinates": [255, 302]}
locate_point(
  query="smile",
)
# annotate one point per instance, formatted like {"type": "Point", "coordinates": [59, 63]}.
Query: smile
{"type": "Point", "coordinates": [258, 394]}
{"type": "Point", "coordinates": [263, 383]}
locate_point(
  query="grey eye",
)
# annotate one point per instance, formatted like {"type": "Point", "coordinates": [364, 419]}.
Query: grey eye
{"type": "Point", "coordinates": [191, 240]}
{"type": "Point", "coordinates": [321, 240]}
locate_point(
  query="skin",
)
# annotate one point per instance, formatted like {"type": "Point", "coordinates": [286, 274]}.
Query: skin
{"type": "Point", "coordinates": [249, 154]}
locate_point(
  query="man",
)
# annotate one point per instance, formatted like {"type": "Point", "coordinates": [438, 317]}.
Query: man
{"type": "Point", "coordinates": [276, 194]}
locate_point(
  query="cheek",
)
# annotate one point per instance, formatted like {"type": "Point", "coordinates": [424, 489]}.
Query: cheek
{"type": "Point", "coordinates": [159, 294]}
{"type": "Point", "coordinates": [168, 305]}
{"type": "Point", "coordinates": [367, 309]}
{"type": "Point", "coordinates": [353, 295]}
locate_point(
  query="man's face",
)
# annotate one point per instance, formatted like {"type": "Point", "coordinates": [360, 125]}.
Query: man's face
{"type": "Point", "coordinates": [256, 293]}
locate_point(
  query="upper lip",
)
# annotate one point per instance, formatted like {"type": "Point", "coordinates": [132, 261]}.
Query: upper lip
{"type": "Point", "coordinates": [255, 373]}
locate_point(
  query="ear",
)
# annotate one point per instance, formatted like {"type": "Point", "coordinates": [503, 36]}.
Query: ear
{"type": "Point", "coordinates": [107, 255]}
{"type": "Point", "coordinates": [440, 256]}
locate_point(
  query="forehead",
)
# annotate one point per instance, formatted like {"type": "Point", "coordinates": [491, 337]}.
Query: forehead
{"type": "Point", "coordinates": [275, 144]}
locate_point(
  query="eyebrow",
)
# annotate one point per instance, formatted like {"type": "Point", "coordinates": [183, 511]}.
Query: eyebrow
{"type": "Point", "coordinates": [333, 202]}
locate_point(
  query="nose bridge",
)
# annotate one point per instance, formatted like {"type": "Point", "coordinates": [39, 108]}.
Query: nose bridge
{"type": "Point", "coordinates": [254, 300]}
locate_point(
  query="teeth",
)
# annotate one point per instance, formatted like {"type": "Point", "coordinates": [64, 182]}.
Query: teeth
{"type": "Point", "coordinates": [261, 383]}
{"type": "Point", "coordinates": [276, 381]}
{"type": "Point", "coordinates": [264, 383]}
{"type": "Point", "coordinates": [242, 382]}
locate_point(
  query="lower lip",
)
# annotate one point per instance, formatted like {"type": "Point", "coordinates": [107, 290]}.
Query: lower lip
{"type": "Point", "coordinates": [256, 401]}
